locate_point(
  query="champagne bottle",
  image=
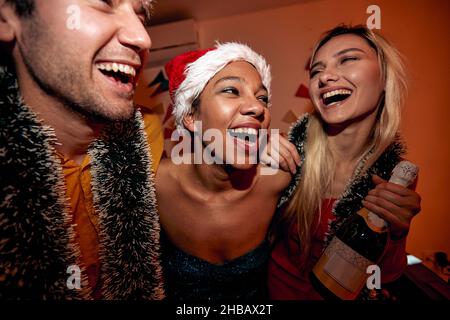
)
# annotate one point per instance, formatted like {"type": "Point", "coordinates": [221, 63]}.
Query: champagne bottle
{"type": "Point", "coordinates": [357, 244]}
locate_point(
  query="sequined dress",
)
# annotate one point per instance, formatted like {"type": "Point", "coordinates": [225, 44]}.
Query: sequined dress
{"type": "Point", "coordinates": [191, 278]}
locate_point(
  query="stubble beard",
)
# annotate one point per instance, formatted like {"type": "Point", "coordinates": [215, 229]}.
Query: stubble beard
{"type": "Point", "coordinates": [59, 74]}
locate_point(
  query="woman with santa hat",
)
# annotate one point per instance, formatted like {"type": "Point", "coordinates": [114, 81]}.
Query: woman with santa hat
{"type": "Point", "coordinates": [215, 211]}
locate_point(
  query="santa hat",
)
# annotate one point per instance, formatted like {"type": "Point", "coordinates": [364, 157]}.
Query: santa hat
{"type": "Point", "coordinates": [190, 72]}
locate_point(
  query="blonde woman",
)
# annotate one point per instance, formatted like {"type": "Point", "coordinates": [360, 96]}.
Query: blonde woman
{"type": "Point", "coordinates": [357, 86]}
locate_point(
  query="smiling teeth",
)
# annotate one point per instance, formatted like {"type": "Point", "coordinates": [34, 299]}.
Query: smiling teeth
{"type": "Point", "coordinates": [123, 68]}
{"type": "Point", "coordinates": [336, 92]}
{"type": "Point", "coordinates": [249, 135]}
{"type": "Point", "coordinates": [244, 130]}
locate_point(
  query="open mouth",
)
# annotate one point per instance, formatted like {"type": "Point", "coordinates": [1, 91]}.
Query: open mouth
{"type": "Point", "coordinates": [118, 72]}
{"type": "Point", "coordinates": [334, 97]}
{"type": "Point", "coordinates": [246, 135]}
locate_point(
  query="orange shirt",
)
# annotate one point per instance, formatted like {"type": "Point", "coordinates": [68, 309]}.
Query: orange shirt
{"type": "Point", "coordinates": [153, 129]}
{"type": "Point", "coordinates": [85, 219]}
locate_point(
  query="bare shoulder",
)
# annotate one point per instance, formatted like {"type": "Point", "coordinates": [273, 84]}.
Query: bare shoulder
{"type": "Point", "coordinates": [274, 181]}
{"type": "Point", "coordinates": [163, 168]}
{"type": "Point", "coordinates": [165, 176]}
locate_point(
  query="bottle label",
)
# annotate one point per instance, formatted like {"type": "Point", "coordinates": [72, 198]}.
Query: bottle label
{"type": "Point", "coordinates": [374, 222]}
{"type": "Point", "coordinates": [342, 270]}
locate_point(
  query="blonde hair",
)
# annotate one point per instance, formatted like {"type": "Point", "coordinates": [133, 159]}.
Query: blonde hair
{"type": "Point", "coordinates": [318, 166]}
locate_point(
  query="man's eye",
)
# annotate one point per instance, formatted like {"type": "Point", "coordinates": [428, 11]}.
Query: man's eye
{"type": "Point", "coordinates": [145, 21]}
{"type": "Point", "coordinates": [107, 2]}
{"type": "Point", "coordinates": [103, 5]}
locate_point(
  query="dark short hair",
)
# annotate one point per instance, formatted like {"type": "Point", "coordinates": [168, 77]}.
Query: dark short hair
{"type": "Point", "coordinates": [24, 8]}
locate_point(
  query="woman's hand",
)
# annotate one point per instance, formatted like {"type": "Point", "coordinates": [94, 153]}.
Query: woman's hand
{"type": "Point", "coordinates": [281, 153]}
{"type": "Point", "coordinates": [395, 204]}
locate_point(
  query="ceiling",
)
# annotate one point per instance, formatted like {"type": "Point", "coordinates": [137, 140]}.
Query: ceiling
{"type": "Point", "coordinates": [165, 11]}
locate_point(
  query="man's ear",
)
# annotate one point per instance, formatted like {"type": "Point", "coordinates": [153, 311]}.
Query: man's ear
{"type": "Point", "coordinates": [8, 22]}
{"type": "Point", "coordinates": [188, 122]}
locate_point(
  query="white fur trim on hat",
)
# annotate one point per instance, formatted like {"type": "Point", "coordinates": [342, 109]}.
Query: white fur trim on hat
{"type": "Point", "coordinates": [199, 72]}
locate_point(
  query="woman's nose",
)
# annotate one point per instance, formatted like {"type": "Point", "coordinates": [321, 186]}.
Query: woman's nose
{"type": "Point", "coordinates": [327, 76]}
{"type": "Point", "coordinates": [252, 107]}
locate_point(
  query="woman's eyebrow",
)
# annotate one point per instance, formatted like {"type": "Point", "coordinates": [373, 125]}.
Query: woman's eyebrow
{"type": "Point", "coordinates": [348, 50]}
{"type": "Point", "coordinates": [317, 64]}
{"type": "Point", "coordinates": [233, 78]}
{"type": "Point", "coordinates": [239, 79]}
{"type": "Point", "coordinates": [263, 87]}
{"type": "Point", "coordinates": [337, 54]}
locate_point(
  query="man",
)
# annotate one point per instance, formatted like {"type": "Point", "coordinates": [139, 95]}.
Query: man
{"type": "Point", "coordinates": [77, 201]}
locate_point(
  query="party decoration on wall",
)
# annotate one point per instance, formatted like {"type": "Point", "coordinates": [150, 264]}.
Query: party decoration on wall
{"type": "Point", "coordinates": [289, 117]}
{"type": "Point", "coordinates": [308, 63]}
{"type": "Point", "coordinates": [302, 92]}
{"type": "Point", "coordinates": [162, 82]}
{"type": "Point", "coordinates": [152, 95]}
